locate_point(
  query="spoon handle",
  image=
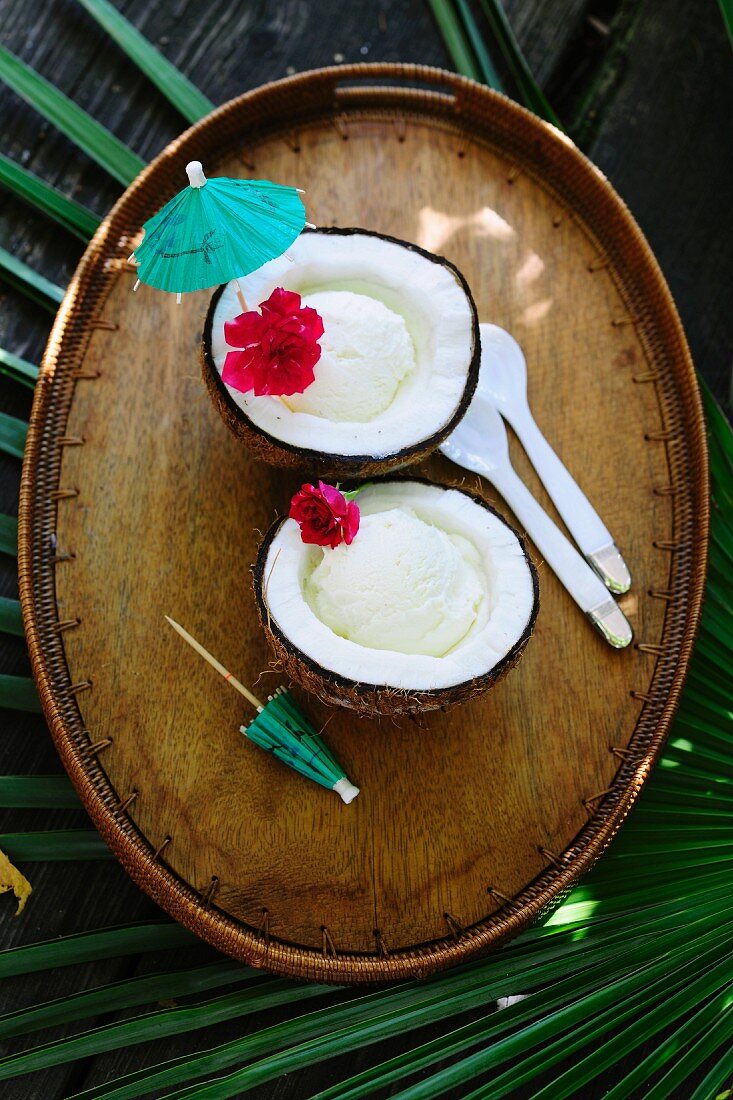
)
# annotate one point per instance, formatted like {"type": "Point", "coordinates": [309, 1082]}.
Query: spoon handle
{"type": "Point", "coordinates": [581, 518]}
{"type": "Point", "coordinates": [581, 582]}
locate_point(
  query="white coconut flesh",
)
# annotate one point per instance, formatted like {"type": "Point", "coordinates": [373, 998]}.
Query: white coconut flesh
{"type": "Point", "coordinates": [435, 590]}
{"type": "Point", "coordinates": [396, 351]}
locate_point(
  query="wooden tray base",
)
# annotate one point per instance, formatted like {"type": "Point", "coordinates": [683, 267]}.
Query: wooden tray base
{"type": "Point", "coordinates": [137, 502]}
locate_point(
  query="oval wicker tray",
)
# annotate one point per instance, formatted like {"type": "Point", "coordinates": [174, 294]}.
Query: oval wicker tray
{"type": "Point", "coordinates": [136, 502]}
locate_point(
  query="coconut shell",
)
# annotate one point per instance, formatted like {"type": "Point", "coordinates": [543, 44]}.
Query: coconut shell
{"type": "Point", "coordinates": [326, 465]}
{"type": "Point", "coordinates": [378, 700]}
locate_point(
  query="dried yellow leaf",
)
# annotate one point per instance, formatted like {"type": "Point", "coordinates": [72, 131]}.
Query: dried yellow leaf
{"type": "Point", "coordinates": [11, 879]}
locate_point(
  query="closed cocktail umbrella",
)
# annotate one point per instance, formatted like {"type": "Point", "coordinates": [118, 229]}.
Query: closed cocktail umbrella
{"type": "Point", "coordinates": [280, 727]}
{"type": "Point", "coordinates": [217, 230]}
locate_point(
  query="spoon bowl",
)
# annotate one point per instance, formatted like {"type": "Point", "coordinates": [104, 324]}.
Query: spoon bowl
{"type": "Point", "coordinates": [503, 372]}
{"type": "Point", "coordinates": [479, 442]}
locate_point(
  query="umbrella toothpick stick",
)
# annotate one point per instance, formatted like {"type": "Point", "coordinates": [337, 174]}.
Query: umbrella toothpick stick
{"type": "Point", "coordinates": [241, 297]}
{"type": "Point", "coordinates": [282, 729]}
{"type": "Point", "coordinates": [217, 665]}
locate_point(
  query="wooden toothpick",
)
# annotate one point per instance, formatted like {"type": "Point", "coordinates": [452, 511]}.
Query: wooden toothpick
{"type": "Point", "coordinates": [216, 664]}
{"type": "Point", "coordinates": [241, 297]}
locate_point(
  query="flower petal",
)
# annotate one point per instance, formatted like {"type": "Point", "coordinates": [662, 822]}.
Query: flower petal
{"type": "Point", "coordinates": [351, 522]}
{"type": "Point", "coordinates": [280, 343]}
{"type": "Point", "coordinates": [281, 301]}
{"type": "Point", "coordinates": [246, 328]}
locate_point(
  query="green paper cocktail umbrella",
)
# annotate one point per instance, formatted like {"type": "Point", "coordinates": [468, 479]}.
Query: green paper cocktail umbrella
{"type": "Point", "coordinates": [217, 230]}
{"type": "Point", "coordinates": [280, 727]}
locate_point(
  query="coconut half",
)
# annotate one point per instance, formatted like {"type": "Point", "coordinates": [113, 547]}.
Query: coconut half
{"type": "Point", "coordinates": [431, 604]}
{"type": "Point", "coordinates": [399, 363]}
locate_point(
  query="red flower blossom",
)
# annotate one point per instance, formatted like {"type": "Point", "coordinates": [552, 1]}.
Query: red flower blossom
{"type": "Point", "coordinates": [325, 516]}
{"type": "Point", "coordinates": [277, 348]}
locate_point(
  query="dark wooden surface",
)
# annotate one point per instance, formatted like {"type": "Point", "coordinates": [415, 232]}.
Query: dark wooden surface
{"type": "Point", "coordinates": [646, 87]}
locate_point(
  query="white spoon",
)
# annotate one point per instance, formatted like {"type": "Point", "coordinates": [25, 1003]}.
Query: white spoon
{"type": "Point", "coordinates": [503, 381]}
{"type": "Point", "coordinates": [479, 444]}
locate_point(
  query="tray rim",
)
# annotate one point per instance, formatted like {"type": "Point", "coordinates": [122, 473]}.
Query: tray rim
{"type": "Point", "coordinates": [316, 93]}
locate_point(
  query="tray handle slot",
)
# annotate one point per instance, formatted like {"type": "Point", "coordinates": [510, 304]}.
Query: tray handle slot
{"type": "Point", "coordinates": [351, 82]}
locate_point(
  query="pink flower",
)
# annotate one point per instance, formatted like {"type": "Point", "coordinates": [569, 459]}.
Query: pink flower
{"type": "Point", "coordinates": [277, 348]}
{"type": "Point", "coordinates": [325, 516]}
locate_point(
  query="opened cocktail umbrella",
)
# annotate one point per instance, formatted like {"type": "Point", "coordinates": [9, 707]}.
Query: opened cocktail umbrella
{"type": "Point", "coordinates": [280, 727]}
{"type": "Point", "coordinates": [217, 230]}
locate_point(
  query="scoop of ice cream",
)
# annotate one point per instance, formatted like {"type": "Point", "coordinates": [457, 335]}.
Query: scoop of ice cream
{"type": "Point", "coordinates": [366, 351]}
{"type": "Point", "coordinates": [402, 585]}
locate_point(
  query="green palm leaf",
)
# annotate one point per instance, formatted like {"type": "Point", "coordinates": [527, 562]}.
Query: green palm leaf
{"type": "Point", "coordinates": [90, 136]}
{"type": "Point", "coordinates": [610, 1052]}
{"type": "Point", "coordinates": [259, 994]}
{"type": "Point", "coordinates": [12, 435]}
{"type": "Point", "coordinates": [715, 1013]}
{"type": "Point", "coordinates": [85, 947]}
{"type": "Point", "coordinates": [37, 792]}
{"type": "Point", "coordinates": [455, 40]}
{"type": "Point", "coordinates": [54, 845]}
{"type": "Point", "coordinates": [29, 282]}
{"type": "Point", "coordinates": [8, 535]}
{"type": "Point", "coordinates": [19, 693]}
{"type": "Point", "coordinates": [487, 70]}
{"type": "Point", "coordinates": [720, 1074]}
{"type": "Point", "coordinates": [117, 996]}
{"type": "Point", "coordinates": [20, 370]}
{"type": "Point", "coordinates": [177, 89]}
{"type": "Point", "coordinates": [726, 10]}
{"type": "Point", "coordinates": [531, 94]}
{"type": "Point", "coordinates": [619, 1001]}
{"type": "Point", "coordinates": [11, 620]}
{"type": "Point", "coordinates": [374, 1018]}
{"type": "Point", "coordinates": [535, 1007]}
{"type": "Point", "coordinates": [36, 192]}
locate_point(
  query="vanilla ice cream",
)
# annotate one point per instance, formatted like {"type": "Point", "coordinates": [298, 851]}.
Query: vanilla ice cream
{"type": "Point", "coordinates": [403, 585]}
{"type": "Point", "coordinates": [366, 353]}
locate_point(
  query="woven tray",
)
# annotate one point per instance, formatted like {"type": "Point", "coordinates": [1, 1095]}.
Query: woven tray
{"type": "Point", "coordinates": [137, 502]}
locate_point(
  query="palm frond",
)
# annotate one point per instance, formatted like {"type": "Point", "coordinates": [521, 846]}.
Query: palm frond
{"type": "Point", "coordinates": [726, 10]}
{"type": "Point", "coordinates": [259, 994]}
{"type": "Point", "coordinates": [564, 1000]}
{"type": "Point", "coordinates": [8, 535]}
{"type": "Point", "coordinates": [100, 943]}
{"type": "Point", "coordinates": [376, 1017]}
{"type": "Point", "coordinates": [717, 1076]}
{"type": "Point", "coordinates": [19, 693]}
{"type": "Point", "coordinates": [176, 88]}
{"type": "Point", "coordinates": [20, 370]}
{"type": "Point", "coordinates": [11, 620]}
{"type": "Point", "coordinates": [454, 37]}
{"type": "Point", "coordinates": [54, 845]}
{"type": "Point", "coordinates": [116, 996]}
{"type": "Point", "coordinates": [531, 94]}
{"type": "Point", "coordinates": [89, 135]}
{"type": "Point", "coordinates": [29, 282]}
{"type": "Point", "coordinates": [36, 192]}
{"type": "Point", "coordinates": [487, 70]}
{"type": "Point", "coordinates": [704, 1023]}
{"type": "Point", "coordinates": [45, 792]}
{"type": "Point", "coordinates": [12, 435]}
